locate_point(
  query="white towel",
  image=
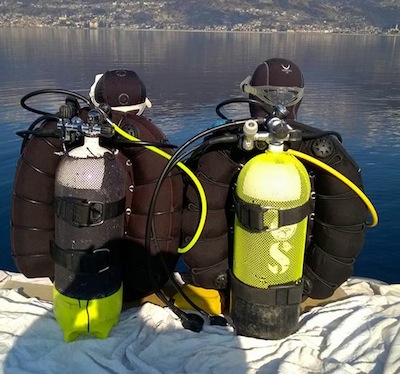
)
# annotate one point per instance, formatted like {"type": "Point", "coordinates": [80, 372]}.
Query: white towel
{"type": "Point", "coordinates": [360, 334]}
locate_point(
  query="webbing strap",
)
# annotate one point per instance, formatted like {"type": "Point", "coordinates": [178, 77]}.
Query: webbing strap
{"type": "Point", "coordinates": [83, 213]}
{"type": "Point", "coordinates": [91, 261]}
{"type": "Point", "coordinates": [251, 216]}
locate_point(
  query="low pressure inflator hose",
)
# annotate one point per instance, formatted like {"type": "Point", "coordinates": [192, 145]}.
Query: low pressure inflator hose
{"type": "Point", "coordinates": [342, 178]}
{"type": "Point", "coordinates": [203, 199]}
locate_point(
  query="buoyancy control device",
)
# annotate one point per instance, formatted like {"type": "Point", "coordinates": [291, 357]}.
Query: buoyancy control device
{"type": "Point", "coordinates": [337, 226]}
{"type": "Point", "coordinates": [89, 223]}
{"type": "Point", "coordinates": [272, 204]}
{"type": "Point", "coordinates": [142, 159]}
{"type": "Point", "coordinates": [216, 162]}
{"type": "Point", "coordinates": [32, 213]}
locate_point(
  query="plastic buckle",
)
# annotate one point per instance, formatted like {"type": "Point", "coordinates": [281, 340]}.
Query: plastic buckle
{"type": "Point", "coordinates": [92, 216]}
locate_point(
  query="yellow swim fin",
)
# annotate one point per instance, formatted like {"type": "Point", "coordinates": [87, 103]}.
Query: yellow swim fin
{"type": "Point", "coordinates": [210, 300]}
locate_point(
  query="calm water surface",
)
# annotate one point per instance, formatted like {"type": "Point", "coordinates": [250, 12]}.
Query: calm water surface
{"type": "Point", "coordinates": [352, 86]}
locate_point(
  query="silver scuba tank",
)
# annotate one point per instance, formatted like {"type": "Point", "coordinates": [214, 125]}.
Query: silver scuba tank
{"type": "Point", "coordinates": [89, 222]}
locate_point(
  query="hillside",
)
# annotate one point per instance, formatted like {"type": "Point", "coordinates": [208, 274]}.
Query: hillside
{"type": "Point", "coordinates": [257, 15]}
{"type": "Point", "coordinates": [382, 14]}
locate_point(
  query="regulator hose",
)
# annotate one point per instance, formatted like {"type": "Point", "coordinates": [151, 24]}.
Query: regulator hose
{"type": "Point", "coordinates": [191, 175]}
{"type": "Point", "coordinates": [342, 178]}
{"type": "Point", "coordinates": [189, 320]}
{"type": "Point", "coordinates": [52, 91]}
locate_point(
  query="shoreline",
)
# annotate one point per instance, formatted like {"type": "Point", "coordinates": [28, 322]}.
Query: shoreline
{"type": "Point", "coordinates": [290, 32]}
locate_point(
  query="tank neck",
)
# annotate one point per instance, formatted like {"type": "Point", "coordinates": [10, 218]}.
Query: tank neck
{"type": "Point", "coordinates": [275, 147]}
{"type": "Point", "coordinates": [91, 148]}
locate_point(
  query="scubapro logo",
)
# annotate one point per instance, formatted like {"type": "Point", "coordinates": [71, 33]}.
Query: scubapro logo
{"type": "Point", "coordinates": [280, 248]}
{"type": "Point", "coordinates": [286, 69]}
{"type": "Point", "coordinates": [277, 252]}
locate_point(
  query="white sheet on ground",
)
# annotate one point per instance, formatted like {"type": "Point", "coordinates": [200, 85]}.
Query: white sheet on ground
{"type": "Point", "coordinates": [360, 334]}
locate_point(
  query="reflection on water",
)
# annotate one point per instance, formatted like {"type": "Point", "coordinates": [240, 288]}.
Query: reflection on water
{"type": "Point", "coordinates": [352, 86]}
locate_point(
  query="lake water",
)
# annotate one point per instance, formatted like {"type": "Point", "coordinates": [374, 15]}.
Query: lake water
{"type": "Point", "coordinates": [352, 86]}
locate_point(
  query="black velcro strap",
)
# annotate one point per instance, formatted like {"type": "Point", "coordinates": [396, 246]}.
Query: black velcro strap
{"type": "Point", "coordinates": [82, 262]}
{"type": "Point", "coordinates": [251, 216]}
{"type": "Point", "coordinates": [283, 294]}
{"type": "Point", "coordinates": [83, 213]}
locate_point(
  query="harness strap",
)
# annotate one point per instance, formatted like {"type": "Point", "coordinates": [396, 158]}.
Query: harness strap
{"type": "Point", "coordinates": [92, 261]}
{"type": "Point", "coordinates": [83, 213]}
{"type": "Point", "coordinates": [251, 216]}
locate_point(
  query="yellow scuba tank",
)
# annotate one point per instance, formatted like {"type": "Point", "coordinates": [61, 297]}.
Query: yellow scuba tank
{"type": "Point", "coordinates": [272, 203]}
{"type": "Point", "coordinates": [89, 205]}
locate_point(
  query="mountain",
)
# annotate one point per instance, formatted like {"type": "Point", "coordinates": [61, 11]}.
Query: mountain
{"type": "Point", "coordinates": [382, 14]}
{"type": "Point", "coordinates": [258, 15]}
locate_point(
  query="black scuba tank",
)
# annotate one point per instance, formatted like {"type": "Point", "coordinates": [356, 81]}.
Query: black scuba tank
{"type": "Point", "coordinates": [89, 223]}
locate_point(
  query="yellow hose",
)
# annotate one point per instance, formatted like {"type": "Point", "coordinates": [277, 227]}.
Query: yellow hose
{"type": "Point", "coordinates": [195, 180]}
{"type": "Point", "coordinates": [344, 179]}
